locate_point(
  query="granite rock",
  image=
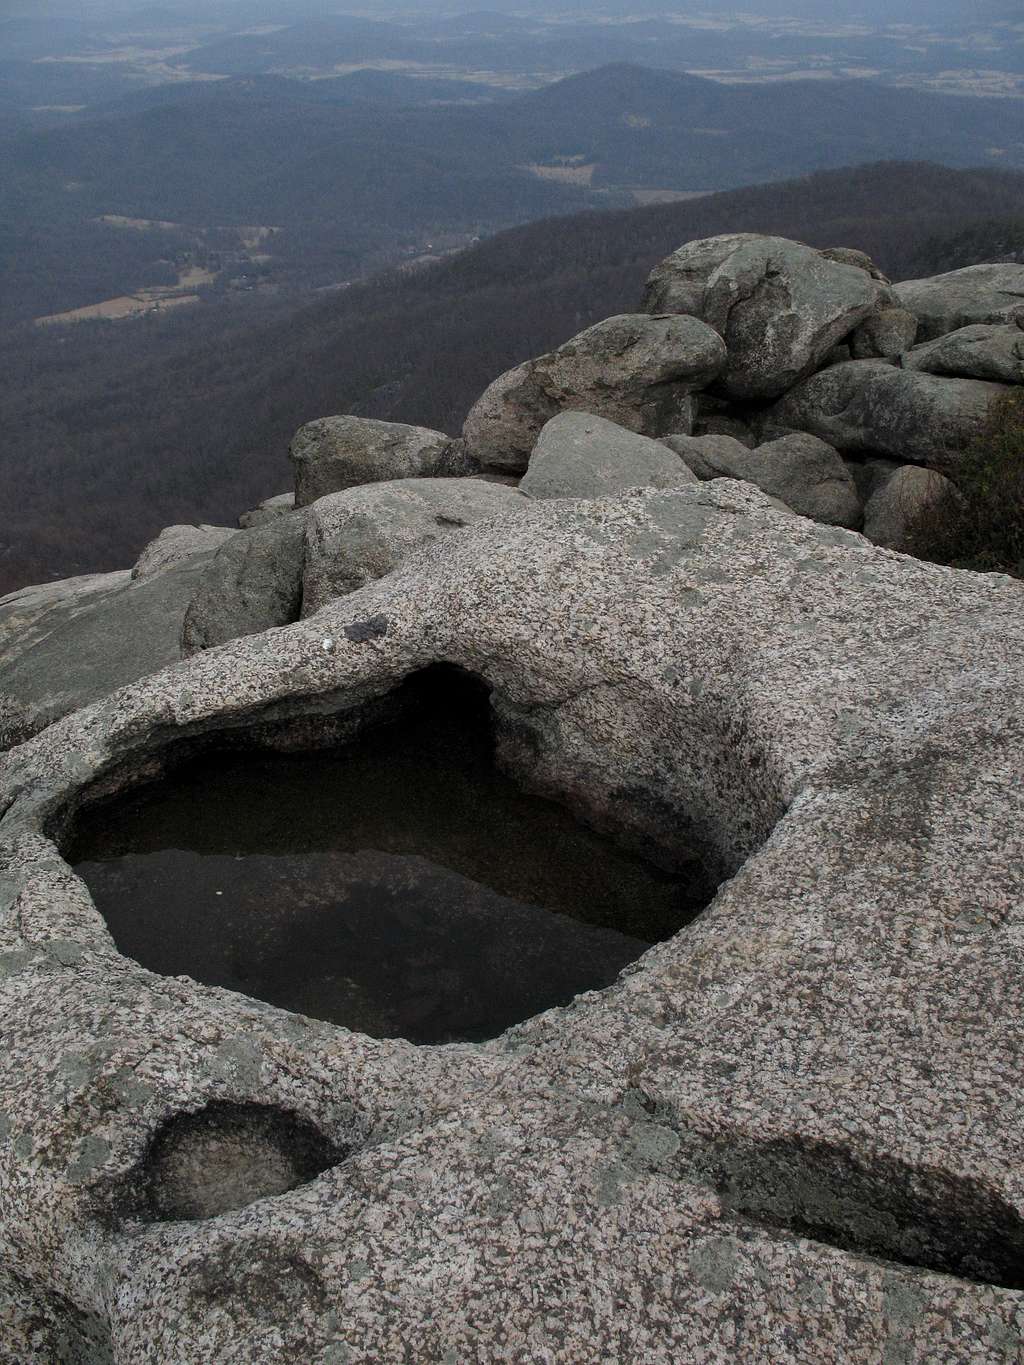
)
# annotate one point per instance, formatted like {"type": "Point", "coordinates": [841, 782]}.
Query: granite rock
{"type": "Point", "coordinates": [268, 510]}
{"type": "Point", "coordinates": [254, 582]}
{"type": "Point", "coordinates": [65, 644]}
{"type": "Point", "coordinates": [362, 534]}
{"type": "Point", "coordinates": [712, 456]}
{"type": "Point", "coordinates": [808, 475]}
{"type": "Point", "coordinates": [849, 255]}
{"type": "Point", "coordinates": [978, 352]}
{"type": "Point", "coordinates": [883, 335]}
{"type": "Point", "coordinates": [899, 500]}
{"type": "Point", "coordinates": [334, 453]}
{"type": "Point", "coordinates": [578, 455]}
{"type": "Point", "coordinates": [677, 284]}
{"type": "Point", "coordinates": [960, 298]}
{"type": "Point", "coordinates": [804, 474]}
{"type": "Point", "coordinates": [781, 307]}
{"type": "Point", "coordinates": [872, 407]}
{"type": "Point", "coordinates": [176, 544]}
{"type": "Point", "coordinates": [722, 424]}
{"type": "Point", "coordinates": [635, 370]}
{"type": "Point", "coordinates": [791, 1132]}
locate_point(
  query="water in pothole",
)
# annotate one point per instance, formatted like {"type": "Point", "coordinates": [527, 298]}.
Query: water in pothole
{"type": "Point", "coordinates": [399, 885]}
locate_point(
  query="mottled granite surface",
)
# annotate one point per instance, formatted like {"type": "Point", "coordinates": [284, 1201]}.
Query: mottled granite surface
{"type": "Point", "coordinates": [790, 1133]}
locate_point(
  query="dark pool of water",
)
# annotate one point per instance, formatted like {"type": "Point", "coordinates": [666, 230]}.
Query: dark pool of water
{"type": "Point", "coordinates": [400, 885]}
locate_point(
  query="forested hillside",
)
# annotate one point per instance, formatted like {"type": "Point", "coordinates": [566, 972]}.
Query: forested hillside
{"type": "Point", "coordinates": [991, 239]}
{"type": "Point", "coordinates": [355, 170]}
{"type": "Point", "coordinates": [113, 432]}
{"type": "Point", "coordinates": [344, 182]}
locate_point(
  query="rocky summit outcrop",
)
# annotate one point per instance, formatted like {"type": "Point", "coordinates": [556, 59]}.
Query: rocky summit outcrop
{"type": "Point", "coordinates": [578, 455]}
{"type": "Point", "coordinates": [961, 298]}
{"type": "Point", "coordinates": [872, 407]}
{"type": "Point", "coordinates": [334, 453]}
{"type": "Point", "coordinates": [635, 370]}
{"type": "Point", "coordinates": [805, 474]}
{"type": "Point", "coordinates": [816, 343]}
{"type": "Point", "coordinates": [978, 352]}
{"type": "Point", "coordinates": [780, 306]}
{"type": "Point", "coordinates": [254, 582]}
{"type": "Point", "coordinates": [362, 534]}
{"type": "Point", "coordinates": [788, 1134]}
{"type": "Point", "coordinates": [792, 1129]}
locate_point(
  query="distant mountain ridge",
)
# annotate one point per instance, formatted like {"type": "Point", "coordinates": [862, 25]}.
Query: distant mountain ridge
{"type": "Point", "coordinates": [112, 433]}
{"type": "Point", "coordinates": [364, 166]}
{"type": "Point", "coordinates": [638, 126]}
{"type": "Point", "coordinates": [937, 46]}
{"type": "Point", "coordinates": [655, 125]}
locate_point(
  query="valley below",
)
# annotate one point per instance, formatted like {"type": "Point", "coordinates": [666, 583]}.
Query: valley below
{"type": "Point", "coordinates": [219, 221]}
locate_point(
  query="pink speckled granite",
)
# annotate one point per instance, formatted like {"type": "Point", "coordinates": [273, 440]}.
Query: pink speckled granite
{"type": "Point", "coordinates": [764, 1143]}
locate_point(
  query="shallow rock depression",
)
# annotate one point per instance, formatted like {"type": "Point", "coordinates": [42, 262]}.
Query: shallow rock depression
{"type": "Point", "coordinates": [400, 884]}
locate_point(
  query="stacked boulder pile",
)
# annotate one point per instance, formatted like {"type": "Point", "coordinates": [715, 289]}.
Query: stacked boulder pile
{"type": "Point", "coordinates": [804, 372]}
{"type": "Point", "coordinates": [845, 398]}
{"type": "Point", "coordinates": [791, 1133]}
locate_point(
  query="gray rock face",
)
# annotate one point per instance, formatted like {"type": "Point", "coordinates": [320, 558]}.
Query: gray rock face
{"type": "Point", "coordinates": [456, 462]}
{"type": "Point", "coordinates": [809, 476]}
{"type": "Point", "coordinates": [978, 352]}
{"type": "Point", "coordinates": [718, 424]}
{"type": "Point", "coordinates": [869, 475]}
{"type": "Point", "coordinates": [581, 456]}
{"type": "Point", "coordinates": [841, 727]}
{"type": "Point", "coordinates": [64, 645]}
{"type": "Point", "coordinates": [355, 537]}
{"type": "Point", "coordinates": [848, 255]}
{"type": "Point", "coordinates": [677, 284]}
{"type": "Point", "coordinates": [838, 355]}
{"type": "Point", "coordinates": [897, 503]}
{"type": "Point", "coordinates": [268, 510]}
{"type": "Point", "coordinates": [883, 335]}
{"type": "Point", "coordinates": [42, 1329]}
{"type": "Point", "coordinates": [635, 370]}
{"type": "Point", "coordinates": [978, 293]}
{"type": "Point", "coordinates": [253, 583]}
{"type": "Point", "coordinates": [712, 456]}
{"type": "Point", "coordinates": [781, 308]}
{"type": "Point", "coordinates": [177, 543]}
{"type": "Point", "coordinates": [805, 474]}
{"type": "Point", "coordinates": [29, 611]}
{"type": "Point", "coordinates": [334, 453]}
{"type": "Point", "coordinates": [871, 406]}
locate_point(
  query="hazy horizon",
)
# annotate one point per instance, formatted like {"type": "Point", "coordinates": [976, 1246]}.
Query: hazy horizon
{"type": "Point", "coordinates": [842, 11]}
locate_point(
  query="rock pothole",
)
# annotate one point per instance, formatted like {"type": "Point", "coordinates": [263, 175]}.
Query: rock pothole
{"type": "Point", "coordinates": [878, 1207]}
{"type": "Point", "coordinates": [226, 1156]}
{"type": "Point", "coordinates": [400, 884]}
